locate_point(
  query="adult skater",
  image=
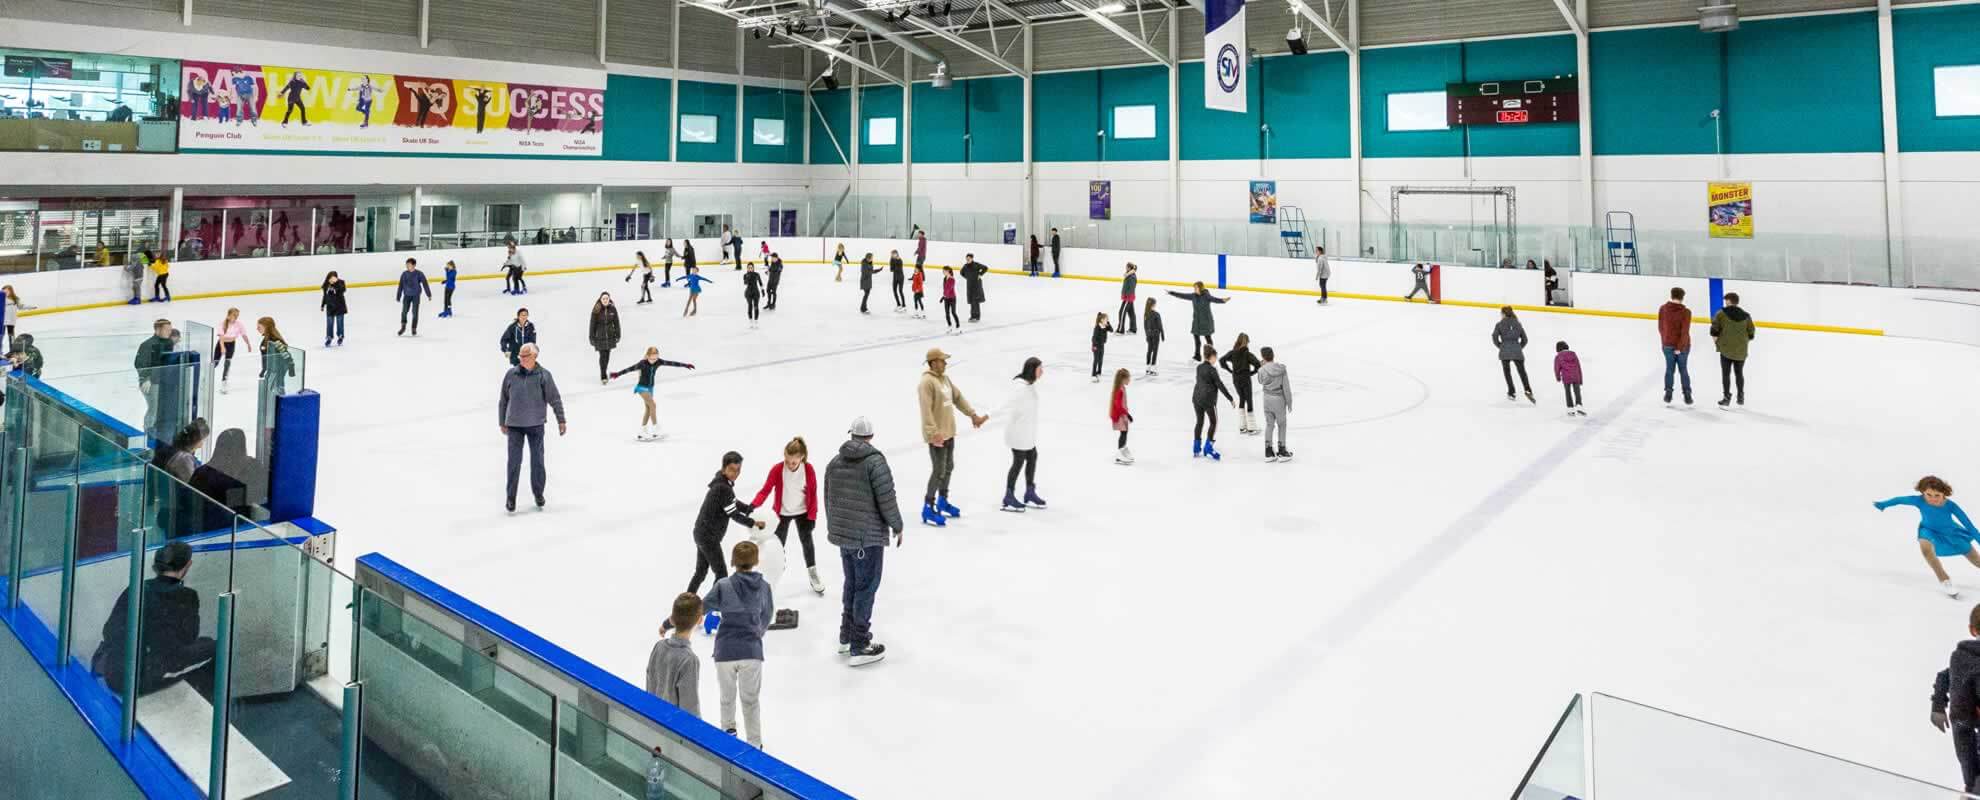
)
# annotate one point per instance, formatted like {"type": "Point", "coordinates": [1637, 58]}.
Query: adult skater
{"type": "Point", "coordinates": [1943, 529]}
{"type": "Point", "coordinates": [1674, 330]}
{"type": "Point", "coordinates": [839, 261]}
{"type": "Point", "coordinates": [231, 332]}
{"type": "Point", "coordinates": [1422, 276]}
{"type": "Point", "coordinates": [1151, 323]}
{"type": "Point", "coordinates": [718, 507]}
{"type": "Point", "coordinates": [950, 318]}
{"type": "Point", "coordinates": [1202, 324]}
{"type": "Point", "coordinates": [412, 283]}
{"type": "Point", "coordinates": [1034, 260]}
{"type": "Point", "coordinates": [774, 276]}
{"type": "Point", "coordinates": [1055, 252]}
{"type": "Point", "coordinates": [866, 271]}
{"type": "Point", "coordinates": [1203, 398]}
{"type": "Point", "coordinates": [752, 292]}
{"type": "Point", "coordinates": [513, 267]}
{"type": "Point", "coordinates": [1117, 413]}
{"type": "Point", "coordinates": [334, 307]}
{"type": "Point", "coordinates": [792, 489]}
{"type": "Point", "coordinates": [1241, 364]}
{"type": "Point", "coordinates": [1129, 281]}
{"type": "Point", "coordinates": [1099, 342]}
{"type": "Point", "coordinates": [1510, 337]}
{"type": "Point", "coordinates": [649, 421]}
{"type": "Point", "coordinates": [939, 399]}
{"type": "Point", "coordinates": [450, 276]}
{"type": "Point", "coordinates": [152, 353]}
{"type": "Point", "coordinates": [972, 275]}
{"type": "Point", "coordinates": [667, 257]}
{"type": "Point", "coordinates": [1021, 436]}
{"type": "Point", "coordinates": [861, 512]}
{"type": "Point", "coordinates": [1322, 270]}
{"type": "Point", "coordinates": [687, 259]}
{"type": "Point", "coordinates": [520, 333]}
{"type": "Point", "coordinates": [694, 279]}
{"type": "Point", "coordinates": [920, 248]}
{"type": "Point", "coordinates": [1955, 694]}
{"type": "Point", "coordinates": [898, 274]}
{"type": "Point", "coordinates": [728, 237]}
{"type": "Point", "coordinates": [644, 268]}
{"type": "Point", "coordinates": [604, 333]}
{"type": "Point", "coordinates": [527, 391]}
{"type": "Point", "coordinates": [736, 244]}
{"type": "Point", "coordinates": [1732, 331]}
{"type": "Point", "coordinates": [1272, 383]}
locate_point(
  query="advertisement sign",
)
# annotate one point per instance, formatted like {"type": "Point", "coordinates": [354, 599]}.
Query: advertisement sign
{"type": "Point", "coordinates": [1099, 199]}
{"type": "Point", "coordinates": [1729, 210]}
{"type": "Point", "coordinates": [261, 107]}
{"type": "Point", "coordinates": [1265, 202]}
{"type": "Point", "coordinates": [38, 67]}
{"type": "Point", "coordinates": [1010, 233]}
{"type": "Point", "coordinates": [1225, 54]}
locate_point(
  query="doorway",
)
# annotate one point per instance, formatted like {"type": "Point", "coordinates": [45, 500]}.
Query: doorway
{"type": "Point", "coordinates": [378, 225]}
{"type": "Point", "coordinates": [637, 225]}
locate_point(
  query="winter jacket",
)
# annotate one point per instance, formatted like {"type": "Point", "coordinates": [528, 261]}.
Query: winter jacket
{"type": "Point", "coordinates": [1321, 269]}
{"type": "Point", "coordinates": [687, 254]}
{"type": "Point", "coordinates": [453, 276]}
{"type": "Point", "coordinates": [1957, 689]}
{"type": "Point", "coordinates": [939, 399]}
{"type": "Point", "coordinates": [1209, 384]}
{"type": "Point", "coordinates": [1201, 323]}
{"type": "Point", "coordinates": [920, 248]}
{"type": "Point", "coordinates": [1567, 367]}
{"type": "Point", "coordinates": [1510, 337]}
{"type": "Point", "coordinates": [896, 269]}
{"type": "Point", "coordinates": [973, 273]}
{"type": "Point", "coordinates": [1273, 383]}
{"type": "Point", "coordinates": [24, 344]}
{"type": "Point", "coordinates": [776, 270]}
{"type": "Point", "coordinates": [605, 328]}
{"type": "Point", "coordinates": [859, 497]}
{"type": "Point", "coordinates": [866, 270]}
{"type": "Point", "coordinates": [411, 283]}
{"type": "Point", "coordinates": [1117, 410]}
{"type": "Point", "coordinates": [1674, 325]}
{"type": "Point", "coordinates": [1732, 331]}
{"type": "Point", "coordinates": [1099, 338]}
{"type": "Point", "coordinates": [1128, 285]}
{"type": "Point", "coordinates": [1151, 325]}
{"type": "Point", "coordinates": [151, 354]}
{"type": "Point", "coordinates": [918, 280]}
{"type": "Point", "coordinates": [948, 287]}
{"type": "Point", "coordinates": [720, 505]}
{"type": "Point", "coordinates": [528, 395]}
{"type": "Point", "coordinates": [169, 626]}
{"type": "Point", "coordinates": [673, 674]}
{"type": "Point", "coordinates": [1241, 364]}
{"type": "Point", "coordinates": [744, 600]}
{"type": "Point", "coordinates": [1022, 433]}
{"type": "Point", "coordinates": [333, 299]}
{"type": "Point", "coordinates": [1055, 247]}
{"type": "Point", "coordinates": [515, 337]}
{"type": "Point", "coordinates": [773, 488]}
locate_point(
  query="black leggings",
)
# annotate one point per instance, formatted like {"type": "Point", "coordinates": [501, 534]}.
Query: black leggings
{"type": "Point", "coordinates": [1506, 366]}
{"type": "Point", "coordinates": [900, 293]}
{"type": "Point", "coordinates": [1123, 442]}
{"type": "Point", "coordinates": [804, 526]}
{"type": "Point", "coordinates": [1154, 346]}
{"type": "Point", "coordinates": [1204, 339]}
{"type": "Point", "coordinates": [159, 289]}
{"type": "Point", "coordinates": [226, 354]}
{"type": "Point", "coordinates": [770, 295]}
{"type": "Point", "coordinates": [1729, 371]}
{"type": "Point", "coordinates": [1573, 391]}
{"type": "Point", "coordinates": [1099, 354]}
{"type": "Point", "coordinates": [1203, 412]}
{"type": "Point", "coordinates": [447, 300]}
{"type": "Point", "coordinates": [1243, 388]}
{"type": "Point", "coordinates": [645, 290]}
{"type": "Point", "coordinates": [667, 272]}
{"type": "Point", "coordinates": [917, 302]}
{"type": "Point", "coordinates": [1127, 323]}
{"type": "Point", "coordinates": [1028, 461]}
{"type": "Point", "coordinates": [949, 312]}
{"type": "Point", "coordinates": [752, 301]}
{"type": "Point", "coordinates": [864, 295]}
{"type": "Point", "coordinates": [604, 357]}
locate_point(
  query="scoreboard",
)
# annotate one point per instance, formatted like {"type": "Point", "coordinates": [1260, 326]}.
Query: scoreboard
{"type": "Point", "coordinates": [1530, 101]}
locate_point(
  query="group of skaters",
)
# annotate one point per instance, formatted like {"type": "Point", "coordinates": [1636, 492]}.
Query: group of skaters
{"type": "Point", "coordinates": [1732, 333]}
{"type": "Point", "coordinates": [972, 273]}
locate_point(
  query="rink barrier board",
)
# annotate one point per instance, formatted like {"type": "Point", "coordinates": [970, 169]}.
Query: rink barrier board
{"type": "Point", "coordinates": [1590, 312]}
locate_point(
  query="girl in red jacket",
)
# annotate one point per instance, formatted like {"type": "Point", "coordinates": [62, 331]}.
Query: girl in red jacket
{"type": "Point", "coordinates": [918, 282]}
{"type": "Point", "coordinates": [793, 489]}
{"type": "Point", "coordinates": [1117, 411]}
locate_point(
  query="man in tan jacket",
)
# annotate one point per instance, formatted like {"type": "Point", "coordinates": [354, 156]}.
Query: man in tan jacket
{"type": "Point", "coordinates": [939, 400]}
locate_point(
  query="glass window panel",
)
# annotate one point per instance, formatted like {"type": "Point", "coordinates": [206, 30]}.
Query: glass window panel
{"type": "Point", "coordinates": [1956, 90]}
{"type": "Point", "coordinates": [767, 132]}
{"type": "Point", "coordinates": [1418, 111]}
{"type": "Point", "coordinates": [882, 131]}
{"type": "Point", "coordinates": [700, 129]}
{"type": "Point", "coordinates": [1134, 122]}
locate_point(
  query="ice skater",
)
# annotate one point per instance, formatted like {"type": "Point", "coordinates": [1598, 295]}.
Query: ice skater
{"type": "Point", "coordinates": [752, 292]}
{"type": "Point", "coordinates": [645, 269]}
{"type": "Point", "coordinates": [859, 487]}
{"type": "Point", "coordinates": [1202, 323]}
{"type": "Point", "coordinates": [694, 279]}
{"type": "Point", "coordinates": [728, 238]}
{"type": "Point", "coordinates": [1209, 384]}
{"type": "Point", "coordinates": [1943, 529]}
{"type": "Point", "coordinates": [1422, 276]}
{"type": "Point", "coordinates": [1117, 413]}
{"type": "Point", "coordinates": [774, 276]}
{"type": "Point", "coordinates": [1151, 326]}
{"type": "Point", "coordinates": [917, 282]}
{"type": "Point", "coordinates": [412, 283]}
{"type": "Point", "coordinates": [604, 333]}
{"type": "Point", "coordinates": [230, 333]}
{"type": "Point", "coordinates": [1101, 329]}
{"type": "Point", "coordinates": [1021, 436]}
{"type": "Point", "coordinates": [1128, 283]}
{"type": "Point", "coordinates": [939, 400]}
{"type": "Point", "coordinates": [920, 247]}
{"type": "Point", "coordinates": [687, 258]}
{"type": "Point", "coordinates": [161, 268]}
{"type": "Point", "coordinates": [451, 276]}
{"type": "Point", "coordinates": [898, 274]}
{"type": "Point", "coordinates": [1322, 270]}
{"type": "Point", "coordinates": [839, 261]}
{"type": "Point", "coordinates": [649, 420]}
{"type": "Point", "coordinates": [1277, 389]}
{"type": "Point", "coordinates": [972, 275]}
{"type": "Point", "coordinates": [528, 394]}
{"type": "Point", "coordinates": [747, 604]}
{"type": "Point", "coordinates": [866, 270]}
{"type": "Point", "coordinates": [334, 307]}
{"type": "Point", "coordinates": [1732, 332]}
{"type": "Point", "coordinates": [1955, 694]}
{"type": "Point", "coordinates": [1674, 331]}
{"type": "Point", "coordinates": [667, 265]}
{"type": "Point", "coordinates": [1567, 370]}
{"type": "Point", "coordinates": [520, 333]}
{"type": "Point", "coordinates": [512, 272]}
{"type": "Point", "coordinates": [1510, 337]}
{"type": "Point", "coordinates": [949, 315]}
{"type": "Point", "coordinates": [718, 506]}
{"type": "Point", "coordinates": [792, 489]}
{"type": "Point", "coordinates": [1242, 365]}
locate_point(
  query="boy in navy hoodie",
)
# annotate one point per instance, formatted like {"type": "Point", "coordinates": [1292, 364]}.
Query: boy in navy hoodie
{"type": "Point", "coordinates": [1955, 695]}
{"type": "Point", "coordinates": [746, 606]}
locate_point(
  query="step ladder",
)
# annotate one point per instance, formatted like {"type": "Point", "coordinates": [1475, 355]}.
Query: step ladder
{"type": "Point", "coordinates": [1292, 232]}
{"type": "Point", "coordinates": [1621, 238]}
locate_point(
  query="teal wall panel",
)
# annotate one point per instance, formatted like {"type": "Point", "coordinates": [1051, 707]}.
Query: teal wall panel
{"type": "Point", "coordinates": [1654, 90]}
{"type": "Point", "coordinates": [785, 104]}
{"type": "Point", "coordinates": [879, 102]}
{"type": "Point", "coordinates": [941, 119]}
{"type": "Point", "coordinates": [996, 120]}
{"type": "Point", "coordinates": [1305, 101]}
{"type": "Point", "coordinates": [1804, 85]}
{"type": "Point", "coordinates": [1924, 38]}
{"type": "Point", "coordinates": [1542, 56]}
{"type": "Point", "coordinates": [1398, 70]}
{"type": "Point", "coordinates": [636, 110]}
{"type": "Point", "coordinates": [1136, 86]}
{"type": "Point", "coordinates": [716, 100]}
{"type": "Point", "coordinates": [1067, 115]}
{"type": "Point", "coordinates": [1212, 134]}
{"type": "Point", "coordinates": [834, 114]}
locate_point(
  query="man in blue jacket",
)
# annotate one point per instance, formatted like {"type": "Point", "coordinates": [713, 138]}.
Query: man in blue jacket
{"type": "Point", "coordinates": [412, 283]}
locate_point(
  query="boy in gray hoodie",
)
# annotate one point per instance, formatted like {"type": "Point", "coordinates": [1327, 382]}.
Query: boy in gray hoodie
{"type": "Point", "coordinates": [744, 601]}
{"type": "Point", "coordinates": [1272, 382]}
{"type": "Point", "coordinates": [673, 671]}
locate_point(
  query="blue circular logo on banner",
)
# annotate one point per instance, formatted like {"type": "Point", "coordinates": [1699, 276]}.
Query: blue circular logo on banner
{"type": "Point", "coordinates": [1229, 69]}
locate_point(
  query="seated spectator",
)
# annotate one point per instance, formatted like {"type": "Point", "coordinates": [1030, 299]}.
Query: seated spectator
{"type": "Point", "coordinates": [168, 637]}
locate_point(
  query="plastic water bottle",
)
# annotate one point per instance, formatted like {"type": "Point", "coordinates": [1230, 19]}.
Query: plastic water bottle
{"type": "Point", "coordinates": [656, 777]}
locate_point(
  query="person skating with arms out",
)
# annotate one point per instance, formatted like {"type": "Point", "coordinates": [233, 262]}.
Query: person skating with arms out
{"type": "Point", "coordinates": [1021, 436]}
{"type": "Point", "coordinates": [694, 279]}
{"type": "Point", "coordinates": [1242, 365]}
{"type": "Point", "coordinates": [645, 267]}
{"type": "Point", "coordinates": [1203, 398]}
{"type": "Point", "coordinates": [1151, 325]}
{"type": "Point", "coordinates": [1943, 529]}
{"type": "Point", "coordinates": [792, 489]}
{"type": "Point", "coordinates": [839, 261]}
{"type": "Point", "coordinates": [746, 604]}
{"type": "Point", "coordinates": [1422, 276]}
{"type": "Point", "coordinates": [718, 507]}
{"type": "Point", "coordinates": [1277, 391]}
{"type": "Point", "coordinates": [1202, 321]}
{"type": "Point", "coordinates": [649, 421]}
{"type": "Point", "coordinates": [1567, 370]}
{"type": "Point", "coordinates": [860, 514]}
{"type": "Point", "coordinates": [939, 400]}
{"type": "Point", "coordinates": [1117, 413]}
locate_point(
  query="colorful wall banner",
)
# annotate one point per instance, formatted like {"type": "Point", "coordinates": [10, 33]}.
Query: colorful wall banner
{"type": "Point", "coordinates": [1225, 49]}
{"type": "Point", "coordinates": [1099, 199]}
{"type": "Point", "coordinates": [1265, 202]}
{"type": "Point", "coordinates": [258, 107]}
{"type": "Point", "coordinates": [1729, 210]}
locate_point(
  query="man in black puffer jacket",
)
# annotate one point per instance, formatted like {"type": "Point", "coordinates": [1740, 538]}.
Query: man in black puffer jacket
{"type": "Point", "coordinates": [860, 512]}
{"type": "Point", "coordinates": [1955, 699]}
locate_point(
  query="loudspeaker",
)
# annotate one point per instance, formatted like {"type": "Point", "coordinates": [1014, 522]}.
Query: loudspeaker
{"type": "Point", "coordinates": [1296, 41]}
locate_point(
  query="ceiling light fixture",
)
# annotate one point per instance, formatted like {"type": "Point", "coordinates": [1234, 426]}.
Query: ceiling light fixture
{"type": "Point", "coordinates": [1112, 8]}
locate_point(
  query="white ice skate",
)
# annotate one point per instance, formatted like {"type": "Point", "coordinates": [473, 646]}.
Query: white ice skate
{"type": "Point", "coordinates": [1947, 587]}
{"type": "Point", "coordinates": [817, 585]}
{"type": "Point", "coordinates": [1124, 458]}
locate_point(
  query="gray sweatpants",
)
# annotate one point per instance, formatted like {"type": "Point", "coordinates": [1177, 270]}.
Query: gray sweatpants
{"type": "Point", "coordinates": [744, 677]}
{"type": "Point", "coordinates": [1275, 419]}
{"type": "Point", "coordinates": [532, 435]}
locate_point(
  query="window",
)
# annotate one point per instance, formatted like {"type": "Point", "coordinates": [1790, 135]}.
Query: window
{"type": "Point", "coordinates": [700, 129]}
{"type": "Point", "coordinates": [880, 132]}
{"type": "Point", "coordinates": [767, 132]}
{"type": "Point", "coordinates": [504, 217]}
{"type": "Point", "coordinates": [1134, 122]}
{"type": "Point", "coordinates": [440, 219]}
{"type": "Point", "coordinates": [1956, 90]}
{"type": "Point", "coordinates": [95, 103]}
{"type": "Point", "coordinates": [1418, 111]}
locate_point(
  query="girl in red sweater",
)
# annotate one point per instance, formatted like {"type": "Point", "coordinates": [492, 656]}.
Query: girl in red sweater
{"type": "Point", "coordinates": [919, 281]}
{"type": "Point", "coordinates": [793, 489]}
{"type": "Point", "coordinates": [1117, 411]}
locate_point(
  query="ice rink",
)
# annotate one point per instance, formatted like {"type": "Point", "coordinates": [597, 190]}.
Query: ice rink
{"type": "Point", "coordinates": [1403, 610]}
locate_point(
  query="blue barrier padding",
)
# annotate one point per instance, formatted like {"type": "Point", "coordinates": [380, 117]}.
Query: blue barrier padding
{"type": "Point", "coordinates": [1223, 270]}
{"type": "Point", "coordinates": [313, 526]}
{"type": "Point", "coordinates": [1717, 290]}
{"type": "Point", "coordinates": [292, 464]}
{"type": "Point", "coordinates": [154, 772]}
{"type": "Point", "coordinates": [760, 766]}
{"type": "Point", "coordinates": [80, 407]}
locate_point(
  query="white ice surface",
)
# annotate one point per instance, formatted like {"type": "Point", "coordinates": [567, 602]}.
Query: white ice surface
{"type": "Point", "coordinates": [1407, 606]}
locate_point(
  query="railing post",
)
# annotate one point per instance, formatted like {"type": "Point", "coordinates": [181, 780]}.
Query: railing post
{"type": "Point", "coordinates": [64, 630]}
{"type": "Point", "coordinates": [347, 773]}
{"type": "Point", "coordinates": [216, 777]}
{"type": "Point", "coordinates": [18, 517]}
{"type": "Point", "coordinates": [133, 624]}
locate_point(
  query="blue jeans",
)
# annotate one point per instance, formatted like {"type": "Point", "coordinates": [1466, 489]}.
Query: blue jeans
{"type": "Point", "coordinates": [333, 324]}
{"type": "Point", "coordinates": [862, 570]}
{"type": "Point", "coordinates": [1678, 361]}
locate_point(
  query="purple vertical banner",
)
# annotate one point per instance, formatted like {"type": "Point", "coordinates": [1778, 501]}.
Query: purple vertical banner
{"type": "Point", "coordinates": [1099, 199]}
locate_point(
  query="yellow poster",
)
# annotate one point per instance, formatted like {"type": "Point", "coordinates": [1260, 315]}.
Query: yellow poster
{"type": "Point", "coordinates": [1729, 207]}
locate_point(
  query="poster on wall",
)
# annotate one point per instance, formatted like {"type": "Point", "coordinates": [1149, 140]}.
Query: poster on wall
{"type": "Point", "coordinates": [261, 107]}
{"type": "Point", "coordinates": [1729, 207]}
{"type": "Point", "coordinates": [1223, 76]}
{"type": "Point", "coordinates": [1265, 202]}
{"type": "Point", "coordinates": [1099, 199]}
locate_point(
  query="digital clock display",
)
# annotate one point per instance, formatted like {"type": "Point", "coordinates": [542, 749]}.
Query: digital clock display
{"type": "Point", "coordinates": [1512, 116]}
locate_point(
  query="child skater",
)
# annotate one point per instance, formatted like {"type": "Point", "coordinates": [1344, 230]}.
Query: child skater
{"type": "Point", "coordinates": [792, 488]}
{"type": "Point", "coordinates": [764, 252]}
{"type": "Point", "coordinates": [839, 260]}
{"type": "Point", "coordinates": [1021, 436]}
{"type": "Point", "coordinates": [1151, 323]}
{"type": "Point", "coordinates": [693, 278]}
{"type": "Point", "coordinates": [1209, 384]}
{"type": "Point", "coordinates": [649, 421]}
{"type": "Point", "coordinates": [1277, 389]}
{"type": "Point", "coordinates": [747, 605]}
{"type": "Point", "coordinates": [1567, 370]}
{"type": "Point", "coordinates": [645, 267]}
{"type": "Point", "coordinates": [919, 281]}
{"type": "Point", "coordinates": [1117, 412]}
{"type": "Point", "coordinates": [718, 508]}
{"type": "Point", "coordinates": [1100, 331]}
{"type": "Point", "coordinates": [1943, 529]}
{"type": "Point", "coordinates": [453, 276]}
{"type": "Point", "coordinates": [1242, 365]}
{"type": "Point", "coordinates": [949, 300]}
{"type": "Point", "coordinates": [231, 331]}
{"type": "Point", "coordinates": [667, 265]}
{"type": "Point", "coordinates": [752, 292]}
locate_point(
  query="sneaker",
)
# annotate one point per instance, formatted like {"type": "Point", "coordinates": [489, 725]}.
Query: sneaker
{"type": "Point", "coordinates": [869, 654]}
{"type": "Point", "coordinates": [929, 516]}
{"type": "Point", "coordinates": [1032, 499]}
{"type": "Point", "coordinates": [1011, 504]}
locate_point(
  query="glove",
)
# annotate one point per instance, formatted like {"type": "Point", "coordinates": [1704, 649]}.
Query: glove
{"type": "Point", "coordinates": [690, 366]}
{"type": "Point", "coordinates": [1939, 720]}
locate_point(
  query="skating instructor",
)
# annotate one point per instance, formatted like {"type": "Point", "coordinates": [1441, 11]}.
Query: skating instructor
{"type": "Point", "coordinates": [939, 399]}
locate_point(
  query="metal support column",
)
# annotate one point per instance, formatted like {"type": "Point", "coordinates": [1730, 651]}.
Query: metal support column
{"type": "Point", "coordinates": [1028, 227]}
{"type": "Point", "coordinates": [223, 663]}
{"type": "Point", "coordinates": [1899, 271]}
{"type": "Point", "coordinates": [1587, 125]}
{"type": "Point", "coordinates": [1175, 131]}
{"type": "Point", "coordinates": [419, 200]}
{"type": "Point", "coordinates": [1354, 122]}
{"type": "Point", "coordinates": [739, 104]}
{"type": "Point", "coordinates": [185, 12]}
{"type": "Point", "coordinates": [17, 515]}
{"type": "Point", "coordinates": [674, 88]}
{"type": "Point", "coordinates": [63, 630]}
{"type": "Point", "coordinates": [425, 23]}
{"type": "Point", "coordinates": [134, 624]}
{"type": "Point", "coordinates": [906, 138]}
{"type": "Point", "coordinates": [598, 214]}
{"type": "Point", "coordinates": [852, 153]}
{"type": "Point", "coordinates": [351, 742]}
{"type": "Point", "coordinates": [601, 31]}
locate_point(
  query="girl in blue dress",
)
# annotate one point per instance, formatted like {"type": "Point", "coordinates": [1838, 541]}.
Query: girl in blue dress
{"type": "Point", "coordinates": [1943, 529]}
{"type": "Point", "coordinates": [694, 281]}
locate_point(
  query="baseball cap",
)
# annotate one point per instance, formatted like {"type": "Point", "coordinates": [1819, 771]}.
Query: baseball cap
{"type": "Point", "coordinates": [935, 354]}
{"type": "Point", "coordinates": [861, 426]}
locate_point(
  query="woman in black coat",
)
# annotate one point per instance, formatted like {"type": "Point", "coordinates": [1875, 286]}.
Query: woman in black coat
{"type": "Point", "coordinates": [972, 273]}
{"type": "Point", "coordinates": [334, 308]}
{"type": "Point", "coordinates": [604, 333]}
{"type": "Point", "coordinates": [1201, 323]}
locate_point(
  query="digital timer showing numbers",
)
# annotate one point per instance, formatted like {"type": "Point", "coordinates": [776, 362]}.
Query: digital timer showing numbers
{"type": "Point", "coordinates": [1512, 116]}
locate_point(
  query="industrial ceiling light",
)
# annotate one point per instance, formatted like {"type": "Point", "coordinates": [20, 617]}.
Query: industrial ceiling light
{"type": "Point", "coordinates": [1718, 18]}
{"type": "Point", "coordinates": [1296, 41]}
{"type": "Point", "coordinates": [941, 79]}
{"type": "Point", "coordinates": [1112, 8]}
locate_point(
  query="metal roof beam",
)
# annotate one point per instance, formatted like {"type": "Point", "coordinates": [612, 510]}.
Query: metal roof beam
{"type": "Point", "coordinates": [811, 43]}
{"type": "Point", "coordinates": [973, 48]}
{"type": "Point", "coordinates": [1112, 27]}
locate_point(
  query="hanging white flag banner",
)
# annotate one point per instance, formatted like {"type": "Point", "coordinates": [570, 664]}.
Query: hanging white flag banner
{"type": "Point", "coordinates": [1224, 55]}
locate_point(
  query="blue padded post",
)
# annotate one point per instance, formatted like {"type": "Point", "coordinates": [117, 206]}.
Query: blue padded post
{"type": "Point", "coordinates": [292, 464]}
{"type": "Point", "coordinates": [1223, 270]}
{"type": "Point", "coordinates": [1717, 292]}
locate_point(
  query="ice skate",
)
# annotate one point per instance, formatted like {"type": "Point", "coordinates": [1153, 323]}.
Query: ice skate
{"type": "Point", "coordinates": [1742, 397]}
{"type": "Point", "coordinates": [1031, 497]}
{"type": "Point", "coordinates": [1947, 587]}
{"type": "Point", "coordinates": [1271, 455]}
{"type": "Point", "coordinates": [1667, 397]}
{"type": "Point", "coordinates": [817, 586]}
{"type": "Point", "coordinates": [1529, 398]}
{"type": "Point", "coordinates": [1687, 398]}
{"type": "Point", "coordinates": [1096, 379]}
{"type": "Point", "coordinates": [1196, 448]}
{"type": "Point", "coordinates": [1581, 412]}
{"type": "Point", "coordinates": [929, 516]}
{"type": "Point", "coordinates": [1726, 401]}
{"type": "Point", "coordinates": [872, 653]}
{"type": "Point", "coordinates": [512, 506]}
{"type": "Point", "coordinates": [1123, 457]}
{"type": "Point", "coordinates": [1511, 396]}
{"type": "Point", "coordinates": [942, 505]}
{"type": "Point", "coordinates": [1284, 454]}
{"type": "Point", "coordinates": [1210, 450]}
{"type": "Point", "coordinates": [845, 649]}
{"type": "Point", "coordinates": [539, 502]}
{"type": "Point", "coordinates": [1011, 504]}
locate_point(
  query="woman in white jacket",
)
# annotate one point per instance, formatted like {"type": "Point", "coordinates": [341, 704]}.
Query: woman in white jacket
{"type": "Point", "coordinates": [1022, 438]}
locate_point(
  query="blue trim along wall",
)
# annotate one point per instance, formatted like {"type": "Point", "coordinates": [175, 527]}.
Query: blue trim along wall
{"type": "Point", "coordinates": [880, 102]}
{"type": "Point", "coordinates": [760, 102]}
{"type": "Point", "coordinates": [637, 108]}
{"type": "Point", "coordinates": [1924, 38]}
{"type": "Point", "coordinates": [716, 100]}
{"type": "Point", "coordinates": [834, 114]}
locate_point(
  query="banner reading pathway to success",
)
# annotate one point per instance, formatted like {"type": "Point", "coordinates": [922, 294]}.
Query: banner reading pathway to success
{"type": "Point", "coordinates": [258, 107]}
{"type": "Point", "coordinates": [1729, 209]}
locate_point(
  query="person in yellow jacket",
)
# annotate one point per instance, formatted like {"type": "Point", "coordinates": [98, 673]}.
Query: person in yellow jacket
{"type": "Point", "coordinates": [162, 269]}
{"type": "Point", "coordinates": [939, 400]}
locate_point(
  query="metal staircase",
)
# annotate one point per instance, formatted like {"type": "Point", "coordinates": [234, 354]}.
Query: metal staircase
{"type": "Point", "coordinates": [1292, 232]}
{"type": "Point", "coordinates": [1621, 238]}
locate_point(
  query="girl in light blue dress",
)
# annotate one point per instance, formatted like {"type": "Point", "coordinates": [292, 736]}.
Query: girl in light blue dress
{"type": "Point", "coordinates": [1943, 529]}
